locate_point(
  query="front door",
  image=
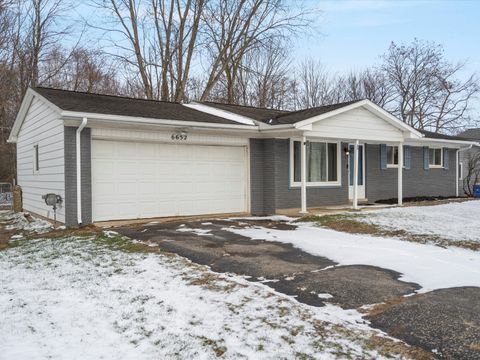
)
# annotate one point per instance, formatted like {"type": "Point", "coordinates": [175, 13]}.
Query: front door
{"type": "Point", "coordinates": [361, 171]}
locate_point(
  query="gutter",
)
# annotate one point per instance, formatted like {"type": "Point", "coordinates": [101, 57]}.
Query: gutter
{"type": "Point", "coordinates": [79, 170]}
{"type": "Point", "coordinates": [118, 119]}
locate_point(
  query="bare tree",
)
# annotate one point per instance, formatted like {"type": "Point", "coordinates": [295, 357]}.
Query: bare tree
{"type": "Point", "coordinates": [82, 70]}
{"type": "Point", "coordinates": [315, 84]}
{"type": "Point", "coordinates": [472, 177]}
{"type": "Point", "coordinates": [234, 27]}
{"type": "Point", "coordinates": [371, 84]}
{"type": "Point", "coordinates": [429, 92]}
{"type": "Point", "coordinates": [261, 80]}
{"type": "Point", "coordinates": [160, 37]}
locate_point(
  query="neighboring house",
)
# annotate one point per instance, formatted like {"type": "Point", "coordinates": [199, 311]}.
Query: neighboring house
{"type": "Point", "coordinates": [469, 162]}
{"type": "Point", "coordinates": [113, 158]}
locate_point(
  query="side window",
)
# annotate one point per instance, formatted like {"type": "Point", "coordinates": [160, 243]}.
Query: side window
{"type": "Point", "coordinates": [460, 171]}
{"type": "Point", "coordinates": [36, 159]}
{"type": "Point", "coordinates": [436, 157]}
{"type": "Point", "coordinates": [392, 155]}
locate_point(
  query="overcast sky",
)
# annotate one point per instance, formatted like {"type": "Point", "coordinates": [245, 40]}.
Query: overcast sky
{"type": "Point", "coordinates": [353, 33]}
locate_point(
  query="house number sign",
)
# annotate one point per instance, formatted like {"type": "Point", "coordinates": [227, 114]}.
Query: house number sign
{"type": "Point", "coordinates": [179, 136]}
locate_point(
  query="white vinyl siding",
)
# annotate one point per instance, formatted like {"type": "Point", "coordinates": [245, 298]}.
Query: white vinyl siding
{"type": "Point", "coordinates": [43, 128]}
{"type": "Point", "coordinates": [358, 124]}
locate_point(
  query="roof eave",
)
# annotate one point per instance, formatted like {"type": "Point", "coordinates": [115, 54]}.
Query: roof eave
{"type": "Point", "coordinates": [69, 115]}
{"type": "Point", "coordinates": [445, 141]}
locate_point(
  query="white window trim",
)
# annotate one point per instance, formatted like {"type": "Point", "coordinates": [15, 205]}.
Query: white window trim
{"type": "Point", "coordinates": [433, 166]}
{"type": "Point", "coordinates": [36, 160]}
{"type": "Point", "coordinates": [294, 184]}
{"type": "Point", "coordinates": [395, 166]}
{"type": "Point", "coordinates": [460, 175]}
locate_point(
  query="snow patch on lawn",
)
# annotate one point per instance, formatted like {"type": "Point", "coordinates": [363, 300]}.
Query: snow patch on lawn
{"type": "Point", "coordinates": [18, 221]}
{"type": "Point", "coordinates": [78, 298]}
{"type": "Point", "coordinates": [452, 221]}
{"type": "Point", "coordinates": [430, 266]}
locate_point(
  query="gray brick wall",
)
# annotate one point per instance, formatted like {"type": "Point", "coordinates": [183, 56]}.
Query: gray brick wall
{"type": "Point", "coordinates": [383, 184]}
{"type": "Point", "coordinates": [270, 180]}
{"type": "Point", "coordinates": [262, 179]}
{"type": "Point", "coordinates": [71, 176]}
{"type": "Point", "coordinates": [288, 197]}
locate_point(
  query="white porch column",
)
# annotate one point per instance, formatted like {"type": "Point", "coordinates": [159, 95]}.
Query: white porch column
{"type": "Point", "coordinates": [303, 168]}
{"type": "Point", "coordinates": [400, 174]}
{"type": "Point", "coordinates": [355, 175]}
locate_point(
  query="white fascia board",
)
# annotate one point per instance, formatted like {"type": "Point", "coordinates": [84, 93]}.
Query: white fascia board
{"type": "Point", "coordinates": [22, 112]}
{"type": "Point", "coordinates": [448, 143]}
{"type": "Point", "coordinates": [221, 113]}
{"type": "Point", "coordinates": [20, 118]}
{"type": "Point", "coordinates": [276, 128]}
{"type": "Point", "coordinates": [149, 121]}
{"type": "Point", "coordinates": [377, 110]}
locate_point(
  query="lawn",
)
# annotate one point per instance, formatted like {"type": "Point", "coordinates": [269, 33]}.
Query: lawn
{"type": "Point", "coordinates": [450, 224]}
{"type": "Point", "coordinates": [98, 295]}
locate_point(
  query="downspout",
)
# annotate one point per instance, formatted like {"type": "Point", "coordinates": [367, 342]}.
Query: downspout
{"type": "Point", "coordinates": [79, 171]}
{"type": "Point", "coordinates": [457, 158]}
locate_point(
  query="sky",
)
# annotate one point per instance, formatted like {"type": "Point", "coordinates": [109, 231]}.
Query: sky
{"type": "Point", "coordinates": [352, 34]}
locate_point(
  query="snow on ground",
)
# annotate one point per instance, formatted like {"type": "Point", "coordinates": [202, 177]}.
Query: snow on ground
{"type": "Point", "coordinates": [430, 266]}
{"type": "Point", "coordinates": [19, 221]}
{"type": "Point", "coordinates": [457, 221]}
{"type": "Point", "coordinates": [200, 232]}
{"type": "Point", "coordinates": [84, 298]}
{"type": "Point", "coordinates": [270, 218]}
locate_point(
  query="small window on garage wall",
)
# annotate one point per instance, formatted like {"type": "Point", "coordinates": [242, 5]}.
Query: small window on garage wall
{"type": "Point", "coordinates": [36, 159]}
{"type": "Point", "coordinates": [460, 171]}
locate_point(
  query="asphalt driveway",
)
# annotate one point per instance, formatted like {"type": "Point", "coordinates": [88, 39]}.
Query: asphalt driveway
{"type": "Point", "coordinates": [445, 322]}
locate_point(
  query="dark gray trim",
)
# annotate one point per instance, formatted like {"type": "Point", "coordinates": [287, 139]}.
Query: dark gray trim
{"type": "Point", "coordinates": [71, 177]}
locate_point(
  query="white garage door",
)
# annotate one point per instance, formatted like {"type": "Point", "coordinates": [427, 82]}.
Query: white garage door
{"type": "Point", "coordinates": [140, 180]}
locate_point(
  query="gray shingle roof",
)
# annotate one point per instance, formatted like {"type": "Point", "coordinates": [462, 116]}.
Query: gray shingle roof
{"type": "Point", "coordinates": [296, 116]}
{"type": "Point", "coordinates": [432, 135]}
{"type": "Point", "coordinates": [472, 134]}
{"type": "Point", "coordinates": [274, 116]}
{"type": "Point", "coordinates": [124, 106]}
{"type": "Point", "coordinates": [252, 112]}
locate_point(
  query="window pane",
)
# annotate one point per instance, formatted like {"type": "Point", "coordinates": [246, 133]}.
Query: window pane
{"type": "Point", "coordinates": [438, 156]}
{"type": "Point", "coordinates": [389, 155]}
{"type": "Point", "coordinates": [317, 156]}
{"type": "Point", "coordinates": [297, 175]}
{"type": "Point", "coordinates": [432, 156]}
{"type": "Point", "coordinates": [395, 155]}
{"type": "Point", "coordinates": [332, 162]}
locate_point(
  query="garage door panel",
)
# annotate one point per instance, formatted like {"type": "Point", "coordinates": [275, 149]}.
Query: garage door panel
{"type": "Point", "coordinates": [135, 180]}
